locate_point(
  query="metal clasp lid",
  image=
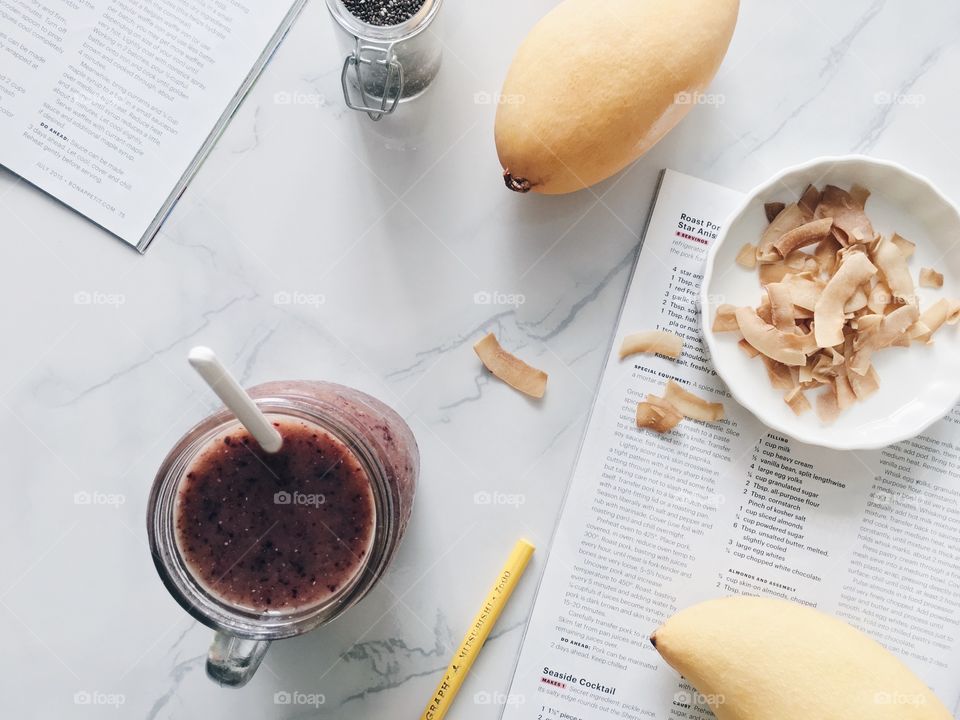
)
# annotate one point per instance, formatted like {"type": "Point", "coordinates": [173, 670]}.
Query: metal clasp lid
{"type": "Point", "coordinates": [373, 57]}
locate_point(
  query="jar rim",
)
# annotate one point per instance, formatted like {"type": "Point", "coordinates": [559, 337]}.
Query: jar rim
{"type": "Point", "coordinates": [207, 606]}
{"type": "Point", "coordinates": [410, 27]}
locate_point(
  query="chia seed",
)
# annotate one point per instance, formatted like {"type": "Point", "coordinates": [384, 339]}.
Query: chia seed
{"type": "Point", "coordinates": [383, 12]}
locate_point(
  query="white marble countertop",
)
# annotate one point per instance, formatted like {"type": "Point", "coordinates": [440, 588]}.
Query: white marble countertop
{"type": "Point", "coordinates": [382, 235]}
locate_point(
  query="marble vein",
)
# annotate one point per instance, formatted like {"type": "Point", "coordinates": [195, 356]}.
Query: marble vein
{"type": "Point", "coordinates": [623, 264]}
{"type": "Point", "coordinates": [470, 336]}
{"type": "Point", "coordinates": [177, 674]}
{"type": "Point", "coordinates": [479, 380]}
{"type": "Point", "coordinates": [441, 650]}
{"type": "Point", "coordinates": [254, 353]}
{"type": "Point", "coordinates": [829, 71]}
{"type": "Point", "coordinates": [254, 134]}
{"type": "Point", "coordinates": [884, 117]}
{"type": "Point", "coordinates": [840, 49]}
{"type": "Point", "coordinates": [206, 318]}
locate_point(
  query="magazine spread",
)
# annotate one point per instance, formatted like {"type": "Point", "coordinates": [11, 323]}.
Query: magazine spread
{"type": "Point", "coordinates": [110, 106]}
{"type": "Point", "coordinates": [654, 523]}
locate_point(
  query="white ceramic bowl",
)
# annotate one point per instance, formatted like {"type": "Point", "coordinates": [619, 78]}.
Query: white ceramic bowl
{"type": "Point", "coordinates": [918, 385]}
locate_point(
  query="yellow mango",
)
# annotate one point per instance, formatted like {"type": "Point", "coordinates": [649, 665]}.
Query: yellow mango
{"type": "Point", "coordinates": [757, 658]}
{"type": "Point", "coordinates": [597, 83]}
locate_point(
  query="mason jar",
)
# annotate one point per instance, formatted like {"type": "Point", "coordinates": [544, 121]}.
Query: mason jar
{"type": "Point", "coordinates": [387, 64]}
{"type": "Point", "coordinates": [380, 442]}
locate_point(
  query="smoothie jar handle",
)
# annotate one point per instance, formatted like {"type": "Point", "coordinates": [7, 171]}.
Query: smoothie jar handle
{"type": "Point", "coordinates": [232, 661]}
{"type": "Point", "coordinates": [375, 68]}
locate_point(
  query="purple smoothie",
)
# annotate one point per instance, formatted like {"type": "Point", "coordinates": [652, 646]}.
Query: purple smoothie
{"type": "Point", "coordinates": [275, 532]}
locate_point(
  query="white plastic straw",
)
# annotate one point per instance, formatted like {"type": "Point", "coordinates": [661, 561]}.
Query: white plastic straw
{"type": "Point", "coordinates": [205, 362]}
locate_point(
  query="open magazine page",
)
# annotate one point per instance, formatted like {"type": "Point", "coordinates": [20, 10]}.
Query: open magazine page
{"type": "Point", "coordinates": [653, 523]}
{"type": "Point", "coordinates": [105, 104]}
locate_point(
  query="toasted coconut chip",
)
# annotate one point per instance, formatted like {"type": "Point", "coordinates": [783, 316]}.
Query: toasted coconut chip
{"type": "Point", "coordinates": [864, 385]}
{"type": "Point", "coordinates": [850, 223]}
{"type": "Point", "coordinates": [749, 349]}
{"type": "Point", "coordinates": [867, 322]}
{"type": "Point", "coordinates": [810, 199]}
{"type": "Point", "coordinates": [905, 247]}
{"type": "Point", "coordinates": [826, 255]}
{"type": "Point", "coordinates": [828, 410]}
{"type": "Point", "coordinates": [801, 262]}
{"type": "Point", "coordinates": [772, 209]}
{"type": "Point", "coordinates": [935, 316]}
{"type": "Point", "coordinates": [803, 291]}
{"type": "Point", "coordinates": [919, 332]}
{"type": "Point", "coordinates": [835, 356]}
{"type": "Point", "coordinates": [828, 313]}
{"type": "Point", "coordinates": [953, 312]}
{"type": "Point", "coordinates": [781, 376]}
{"type": "Point", "coordinates": [810, 233]}
{"type": "Point", "coordinates": [509, 368]}
{"type": "Point", "coordinates": [747, 257]}
{"type": "Point", "coordinates": [657, 414]}
{"type": "Point", "coordinates": [691, 406]}
{"type": "Point", "coordinates": [774, 272]}
{"type": "Point", "coordinates": [808, 343]}
{"type": "Point", "coordinates": [841, 385]}
{"type": "Point", "coordinates": [768, 340]}
{"type": "Point", "coordinates": [891, 262]}
{"type": "Point", "coordinates": [726, 319]}
{"type": "Point", "coordinates": [850, 250]}
{"type": "Point", "coordinates": [890, 329]}
{"type": "Point", "coordinates": [792, 216]}
{"type": "Point", "coordinates": [858, 301]}
{"type": "Point", "coordinates": [765, 311]}
{"type": "Point", "coordinates": [781, 307]}
{"type": "Point", "coordinates": [824, 371]}
{"type": "Point", "coordinates": [660, 342]}
{"type": "Point", "coordinates": [857, 288]}
{"type": "Point", "coordinates": [879, 298]}
{"type": "Point", "coordinates": [859, 194]}
{"type": "Point", "coordinates": [797, 401]}
{"type": "Point", "coordinates": [930, 278]}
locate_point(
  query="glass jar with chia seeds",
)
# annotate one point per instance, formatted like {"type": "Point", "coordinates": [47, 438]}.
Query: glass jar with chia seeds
{"type": "Point", "coordinates": [393, 51]}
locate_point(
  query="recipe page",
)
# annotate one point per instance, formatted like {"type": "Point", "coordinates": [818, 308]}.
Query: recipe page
{"type": "Point", "coordinates": [654, 523]}
{"type": "Point", "coordinates": [104, 104]}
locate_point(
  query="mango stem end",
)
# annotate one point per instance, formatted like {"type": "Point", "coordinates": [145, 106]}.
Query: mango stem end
{"type": "Point", "coordinates": [520, 185]}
